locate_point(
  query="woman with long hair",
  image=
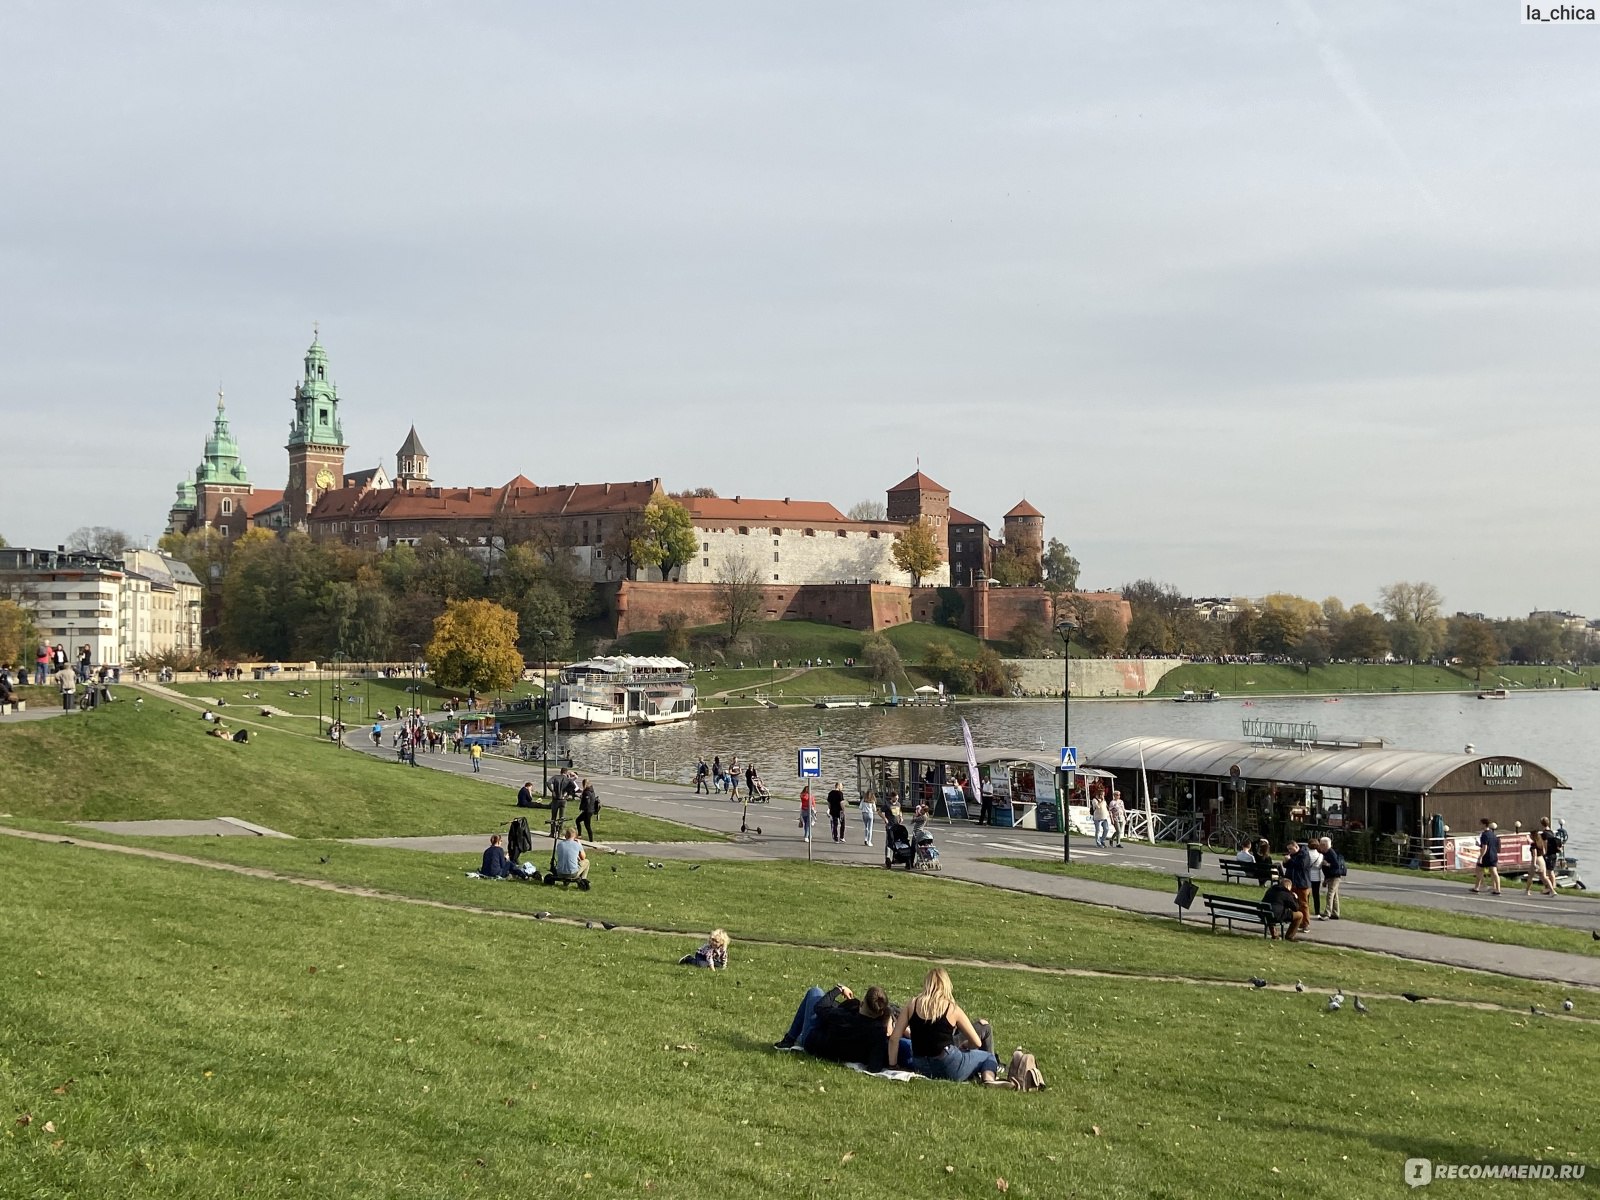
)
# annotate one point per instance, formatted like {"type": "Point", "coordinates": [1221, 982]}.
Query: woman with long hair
{"type": "Point", "coordinates": [936, 1025]}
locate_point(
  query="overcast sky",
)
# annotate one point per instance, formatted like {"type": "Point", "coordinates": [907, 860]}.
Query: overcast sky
{"type": "Point", "coordinates": [1243, 296]}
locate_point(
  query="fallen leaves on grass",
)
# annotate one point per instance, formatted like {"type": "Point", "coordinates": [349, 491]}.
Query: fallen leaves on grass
{"type": "Point", "coordinates": [49, 1126]}
{"type": "Point", "coordinates": [848, 1155]}
{"type": "Point", "coordinates": [62, 1090]}
{"type": "Point", "coordinates": [25, 1119]}
{"type": "Point", "coordinates": [1095, 1129]}
{"type": "Point", "coordinates": [1000, 1185]}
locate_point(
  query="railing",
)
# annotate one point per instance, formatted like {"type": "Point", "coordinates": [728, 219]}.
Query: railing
{"type": "Point", "coordinates": [1181, 828]}
{"type": "Point", "coordinates": [631, 766]}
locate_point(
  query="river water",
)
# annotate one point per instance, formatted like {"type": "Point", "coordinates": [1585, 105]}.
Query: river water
{"type": "Point", "coordinates": [1556, 729]}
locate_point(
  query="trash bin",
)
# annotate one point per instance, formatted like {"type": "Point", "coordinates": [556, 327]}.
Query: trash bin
{"type": "Point", "coordinates": [1195, 849]}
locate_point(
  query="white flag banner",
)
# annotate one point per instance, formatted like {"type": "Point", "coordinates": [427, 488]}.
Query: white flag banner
{"type": "Point", "coordinates": [972, 761]}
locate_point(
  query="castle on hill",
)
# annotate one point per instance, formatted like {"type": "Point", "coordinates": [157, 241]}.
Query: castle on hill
{"type": "Point", "coordinates": [809, 541]}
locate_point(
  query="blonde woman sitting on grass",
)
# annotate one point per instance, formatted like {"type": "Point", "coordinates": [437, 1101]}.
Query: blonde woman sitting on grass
{"type": "Point", "coordinates": [936, 1025]}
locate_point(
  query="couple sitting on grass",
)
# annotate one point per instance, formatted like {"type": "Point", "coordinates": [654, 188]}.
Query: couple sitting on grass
{"type": "Point", "coordinates": [930, 1036]}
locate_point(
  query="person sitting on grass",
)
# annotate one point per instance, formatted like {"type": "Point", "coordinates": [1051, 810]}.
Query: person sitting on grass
{"type": "Point", "coordinates": [569, 860]}
{"type": "Point", "coordinates": [838, 1026]}
{"type": "Point", "coordinates": [937, 1025]}
{"type": "Point", "coordinates": [495, 864]}
{"type": "Point", "coordinates": [713, 955]}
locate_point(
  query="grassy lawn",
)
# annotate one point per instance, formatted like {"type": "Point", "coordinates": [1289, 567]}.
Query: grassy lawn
{"type": "Point", "coordinates": [125, 763]}
{"type": "Point", "coordinates": [1270, 679]}
{"type": "Point", "coordinates": [1373, 912]}
{"type": "Point", "coordinates": [363, 697]}
{"type": "Point", "coordinates": [165, 1031]}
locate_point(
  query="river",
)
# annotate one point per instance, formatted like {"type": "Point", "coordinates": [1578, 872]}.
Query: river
{"type": "Point", "coordinates": [1555, 729]}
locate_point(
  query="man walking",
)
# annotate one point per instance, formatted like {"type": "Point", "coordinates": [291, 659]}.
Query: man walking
{"type": "Point", "coordinates": [1097, 812]}
{"type": "Point", "coordinates": [1119, 814]}
{"type": "Point", "coordinates": [477, 759]}
{"type": "Point", "coordinates": [1488, 856]}
{"type": "Point", "coordinates": [701, 774]}
{"type": "Point", "coordinates": [1334, 869]}
{"type": "Point", "coordinates": [836, 811]}
{"type": "Point", "coordinates": [68, 683]}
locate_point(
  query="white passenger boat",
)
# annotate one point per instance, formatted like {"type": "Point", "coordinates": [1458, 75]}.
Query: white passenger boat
{"type": "Point", "coordinates": [609, 693]}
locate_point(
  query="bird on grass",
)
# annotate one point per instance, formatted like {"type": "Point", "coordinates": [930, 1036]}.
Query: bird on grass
{"type": "Point", "coordinates": [1257, 983]}
{"type": "Point", "coordinates": [1566, 1006]}
{"type": "Point", "coordinates": [1299, 986]}
{"type": "Point", "coordinates": [542, 914]}
{"type": "Point", "coordinates": [696, 867]}
{"type": "Point", "coordinates": [1413, 997]}
{"type": "Point", "coordinates": [1595, 934]}
{"type": "Point", "coordinates": [591, 924]}
{"type": "Point", "coordinates": [654, 866]}
{"type": "Point", "coordinates": [608, 924]}
{"type": "Point", "coordinates": [323, 859]}
{"type": "Point", "coordinates": [1360, 1007]}
{"type": "Point", "coordinates": [1335, 1003]}
{"type": "Point", "coordinates": [613, 870]}
{"type": "Point", "coordinates": [1537, 1011]}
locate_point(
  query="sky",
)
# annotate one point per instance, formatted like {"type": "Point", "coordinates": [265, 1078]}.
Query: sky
{"type": "Point", "coordinates": [1244, 297]}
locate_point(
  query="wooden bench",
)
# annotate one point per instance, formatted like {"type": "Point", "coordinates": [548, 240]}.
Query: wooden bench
{"type": "Point", "coordinates": [1234, 871]}
{"type": "Point", "coordinates": [1226, 908]}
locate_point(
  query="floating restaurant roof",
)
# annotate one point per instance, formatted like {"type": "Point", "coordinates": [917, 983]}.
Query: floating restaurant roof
{"type": "Point", "coordinates": [1409, 771]}
{"type": "Point", "coordinates": [958, 754]}
{"type": "Point", "coordinates": [621, 663]}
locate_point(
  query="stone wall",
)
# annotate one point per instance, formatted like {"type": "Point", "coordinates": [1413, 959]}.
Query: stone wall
{"type": "Point", "coordinates": [1094, 676]}
{"type": "Point", "coordinates": [799, 555]}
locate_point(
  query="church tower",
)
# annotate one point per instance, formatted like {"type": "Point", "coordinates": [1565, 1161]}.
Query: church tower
{"type": "Point", "coordinates": [411, 464]}
{"type": "Point", "coordinates": [316, 439]}
{"type": "Point", "coordinates": [221, 482]}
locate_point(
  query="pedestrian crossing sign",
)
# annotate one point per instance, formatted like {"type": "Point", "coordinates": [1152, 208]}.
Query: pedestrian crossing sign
{"type": "Point", "coordinates": [1069, 758]}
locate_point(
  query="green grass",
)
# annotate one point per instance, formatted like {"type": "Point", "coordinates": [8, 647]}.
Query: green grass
{"type": "Point", "coordinates": [127, 762]}
{"type": "Point", "coordinates": [1374, 912]}
{"type": "Point", "coordinates": [370, 695]}
{"type": "Point", "coordinates": [1271, 679]}
{"type": "Point", "coordinates": [187, 1034]}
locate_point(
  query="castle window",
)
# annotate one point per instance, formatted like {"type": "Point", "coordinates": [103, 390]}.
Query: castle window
{"type": "Point", "coordinates": [224, 531]}
{"type": "Point", "coordinates": [775, 580]}
{"type": "Point", "coordinates": [705, 562]}
{"type": "Point", "coordinates": [840, 533]}
{"type": "Point", "coordinates": [227, 505]}
{"type": "Point", "coordinates": [744, 529]}
{"type": "Point", "coordinates": [774, 556]}
{"type": "Point", "coordinates": [873, 534]}
{"type": "Point", "coordinates": [811, 533]}
{"type": "Point", "coordinates": [705, 547]}
{"type": "Point", "coordinates": [324, 417]}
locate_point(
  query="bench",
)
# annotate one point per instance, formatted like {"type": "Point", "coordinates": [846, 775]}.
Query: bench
{"type": "Point", "coordinates": [1234, 871]}
{"type": "Point", "coordinates": [1226, 908]}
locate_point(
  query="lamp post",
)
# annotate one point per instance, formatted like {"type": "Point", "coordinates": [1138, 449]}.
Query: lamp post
{"type": "Point", "coordinates": [338, 698]}
{"type": "Point", "coordinates": [1066, 627]}
{"type": "Point", "coordinates": [544, 676]}
{"type": "Point", "coordinates": [416, 687]}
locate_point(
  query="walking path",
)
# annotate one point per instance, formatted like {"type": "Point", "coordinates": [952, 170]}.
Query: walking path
{"type": "Point", "coordinates": [772, 834]}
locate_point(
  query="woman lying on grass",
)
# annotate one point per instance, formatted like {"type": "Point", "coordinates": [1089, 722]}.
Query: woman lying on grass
{"type": "Point", "coordinates": [937, 1025]}
{"type": "Point", "coordinates": [838, 1026]}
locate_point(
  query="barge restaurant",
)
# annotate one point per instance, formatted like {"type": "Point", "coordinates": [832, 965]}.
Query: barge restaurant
{"type": "Point", "coordinates": [1378, 804]}
{"type": "Point", "coordinates": [1021, 783]}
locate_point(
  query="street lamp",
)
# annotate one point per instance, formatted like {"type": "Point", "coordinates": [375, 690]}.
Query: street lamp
{"type": "Point", "coordinates": [338, 699]}
{"type": "Point", "coordinates": [1066, 628]}
{"type": "Point", "coordinates": [416, 687]}
{"type": "Point", "coordinates": [544, 636]}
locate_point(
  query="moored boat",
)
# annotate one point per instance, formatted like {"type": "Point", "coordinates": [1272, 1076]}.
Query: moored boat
{"type": "Point", "coordinates": [612, 692]}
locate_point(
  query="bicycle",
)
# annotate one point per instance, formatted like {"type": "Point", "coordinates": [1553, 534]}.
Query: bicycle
{"type": "Point", "coordinates": [1227, 836]}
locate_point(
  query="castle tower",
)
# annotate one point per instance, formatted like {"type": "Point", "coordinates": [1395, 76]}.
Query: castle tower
{"type": "Point", "coordinates": [180, 517]}
{"type": "Point", "coordinates": [1024, 531]}
{"type": "Point", "coordinates": [920, 497]}
{"type": "Point", "coordinates": [316, 439]}
{"type": "Point", "coordinates": [411, 463]}
{"type": "Point", "coordinates": [221, 483]}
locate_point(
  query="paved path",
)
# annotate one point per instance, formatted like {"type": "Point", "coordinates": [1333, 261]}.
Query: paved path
{"type": "Point", "coordinates": [772, 834]}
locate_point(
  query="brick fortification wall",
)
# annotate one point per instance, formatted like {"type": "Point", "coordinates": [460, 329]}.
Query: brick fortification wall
{"type": "Point", "coordinates": [640, 606]}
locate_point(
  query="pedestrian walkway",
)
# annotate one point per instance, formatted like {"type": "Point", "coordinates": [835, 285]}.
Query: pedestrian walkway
{"type": "Point", "coordinates": [962, 858]}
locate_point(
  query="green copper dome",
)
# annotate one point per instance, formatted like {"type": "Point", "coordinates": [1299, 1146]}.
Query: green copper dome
{"type": "Point", "coordinates": [316, 404]}
{"type": "Point", "coordinates": [222, 463]}
{"type": "Point", "coordinates": [186, 497]}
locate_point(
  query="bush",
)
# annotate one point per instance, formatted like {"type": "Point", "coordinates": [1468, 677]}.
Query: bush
{"type": "Point", "coordinates": [675, 625]}
{"type": "Point", "coordinates": [881, 657]}
{"type": "Point", "coordinates": [1030, 637]}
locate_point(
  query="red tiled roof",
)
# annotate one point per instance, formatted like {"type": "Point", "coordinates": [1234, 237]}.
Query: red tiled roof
{"type": "Point", "coordinates": [718, 508]}
{"type": "Point", "coordinates": [919, 483]}
{"type": "Point", "coordinates": [262, 499]}
{"type": "Point", "coordinates": [1024, 509]}
{"type": "Point", "coordinates": [518, 498]}
{"type": "Point", "coordinates": [957, 517]}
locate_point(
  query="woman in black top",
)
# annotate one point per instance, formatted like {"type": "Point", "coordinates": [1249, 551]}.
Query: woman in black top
{"type": "Point", "coordinates": [588, 805]}
{"type": "Point", "coordinates": [936, 1023]}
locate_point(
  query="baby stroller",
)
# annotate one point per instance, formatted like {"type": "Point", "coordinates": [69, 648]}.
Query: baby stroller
{"type": "Point", "coordinates": [912, 850]}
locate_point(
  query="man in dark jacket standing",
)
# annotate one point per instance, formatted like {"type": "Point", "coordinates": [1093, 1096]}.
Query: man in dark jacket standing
{"type": "Point", "coordinates": [1297, 866]}
{"type": "Point", "coordinates": [1334, 869]}
{"type": "Point", "coordinates": [836, 811]}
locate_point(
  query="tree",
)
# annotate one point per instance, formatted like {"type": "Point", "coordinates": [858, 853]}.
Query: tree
{"type": "Point", "coordinates": [623, 543]}
{"type": "Point", "coordinates": [667, 539]}
{"type": "Point", "coordinates": [698, 493]}
{"type": "Point", "coordinates": [19, 640]}
{"type": "Point", "coordinates": [1148, 633]}
{"type": "Point", "coordinates": [951, 608]}
{"type": "Point", "coordinates": [1102, 632]}
{"type": "Point", "coordinates": [1413, 609]}
{"type": "Point", "coordinates": [1060, 568]}
{"type": "Point", "coordinates": [675, 625]}
{"type": "Point", "coordinates": [867, 510]}
{"type": "Point", "coordinates": [1014, 567]}
{"type": "Point", "coordinates": [474, 645]}
{"type": "Point", "coordinates": [917, 551]}
{"type": "Point", "coordinates": [1363, 637]}
{"type": "Point", "coordinates": [98, 539]}
{"type": "Point", "coordinates": [738, 592]}
{"type": "Point", "coordinates": [1030, 637]}
{"type": "Point", "coordinates": [544, 611]}
{"type": "Point", "coordinates": [1475, 643]}
{"type": "Point", "coordinates": [881, 657]}
{"type": "Point", "coordinates": [1311, 650]}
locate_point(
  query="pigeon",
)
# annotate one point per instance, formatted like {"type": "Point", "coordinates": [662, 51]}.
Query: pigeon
{"type": "Point", "coordinates": [1413, 997]}
{"type": "Point", "coordinates": [1594, 933]}
{"type": "Point", "coordinates": [1299, 986]}
{"type": "Point", "coordinates": [1335, 1003]}
{"type": "Point", "coordinates": [1566, 1006]}
{"type": "Point", "coordinates": [1360, 1007]}
{"type": "Point", "coordinates": [323, 859]}
{"type": "Point", "coordinates": [608, 925]}
{"type": "Point", "coordinates": [654, 866]}
{"type": "Point", "coordinates": [1537, 1011]}
{"type": "Point", "coordinates": [613, 870]}
{"type": "Point", "coordinates": [1257, 983]}
{"type": "Point", "coordinates": [696, 867]}
{"type": "Point", "coordinates": [888, 895]}
{"type": "Point", "coordinates": [542, 914]}
{"type": "Point", "coordinates": [591, 924]}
